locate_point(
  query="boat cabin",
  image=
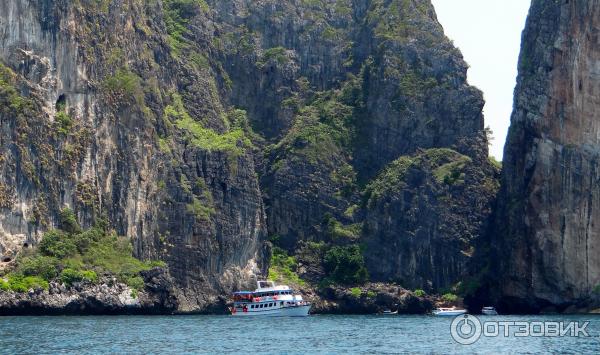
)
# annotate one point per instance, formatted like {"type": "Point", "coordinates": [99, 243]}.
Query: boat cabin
{"type": "Point", "coordinates": [269, 298]}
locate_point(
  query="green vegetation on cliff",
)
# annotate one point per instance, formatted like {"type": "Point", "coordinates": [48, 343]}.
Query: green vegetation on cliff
{"type": "Point", "coordinates": [11, 102]}
{"type": "Point", "coordinates": [283, 268]}
{"type": "Point", "coordinates": [70, 255]}
{"type": "Point", "coordinates": [178, 14]}
{"type": "Point", "coordinates": [346, 265]}
{"type": "Point", "coordinates": [324, 126]}
{"type": "Point", "coordinates": [20, 283]}
{"type": "Point", "coordinates": [446, 165]}
{"type": "Point", "coordinates": [125, 84]}
{"type": "Point", "coordinates": [339, 232]}
{"type": "Point", "coordinates": [233, 142]}
{"type": "Point", "coordinates": [278, 54]}
{"type": "Point", "coordinates": [449, 297]}
{"type": "Point", "coordinates": [419, 293]}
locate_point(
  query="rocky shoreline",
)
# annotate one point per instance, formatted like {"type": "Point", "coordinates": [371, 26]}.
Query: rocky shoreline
{"type": "Point", "coordinates": [158, 297]}
{"type": "Point", "coordinates": [106, 297]}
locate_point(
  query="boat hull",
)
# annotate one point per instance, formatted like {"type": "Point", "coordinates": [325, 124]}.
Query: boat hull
{"type": "Point", "coordinates": [294, 311]}
{"type": "Point", "coordinates": [449, 313]}
{"type": "Point", "coordinates": [489, 313]}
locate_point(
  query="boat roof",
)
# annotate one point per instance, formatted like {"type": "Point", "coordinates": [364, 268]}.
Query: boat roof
{"type": "Point", "coordinates": [264, 286]}
{"type": "Point", "coordinates": [276, 288]}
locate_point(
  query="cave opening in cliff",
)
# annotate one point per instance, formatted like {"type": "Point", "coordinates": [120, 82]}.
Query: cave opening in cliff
{"type": "Point", "coordinates": [6, 259]}
{"type": "Point", "coordinates": [61, 102]}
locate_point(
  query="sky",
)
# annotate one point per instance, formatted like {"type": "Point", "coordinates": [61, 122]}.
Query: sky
{"type": "Point", "coordinates": [488, 33]}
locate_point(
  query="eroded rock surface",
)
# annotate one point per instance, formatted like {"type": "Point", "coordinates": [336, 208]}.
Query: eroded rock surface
{"type": "Point", "coordinates": [547, 239]}
{"type": "Point", "coordinates": [200, 128]}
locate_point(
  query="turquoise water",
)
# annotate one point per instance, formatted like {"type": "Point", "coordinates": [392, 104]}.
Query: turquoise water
{"type": "Point", "coordinates": [315, 334]}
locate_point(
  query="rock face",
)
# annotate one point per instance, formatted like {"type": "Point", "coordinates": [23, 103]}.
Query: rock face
{"type": "Point", "coordinates": [342, 89]}
{"type": "Point", "coordinates": [428, 210]}
{"type": "Point", "coordinates": [100, 115]}
{"type": "Point", "coordinates": [547, 238]}
{"type": "Point", "coordinates": [370, 299]}
{"type": "Point", "coordinates": [199, 128]}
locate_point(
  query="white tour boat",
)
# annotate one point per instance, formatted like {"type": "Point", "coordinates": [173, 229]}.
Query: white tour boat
{"type": "Point", "coordinates": [489, 311]}
{"type": "Point", "coordinates": [269, 300]}
{"type": "Point", "coordinates": [448, 311]}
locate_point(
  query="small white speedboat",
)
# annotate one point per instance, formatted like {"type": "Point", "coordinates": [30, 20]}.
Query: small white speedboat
{"type": "Point", "coordinates": [450, 312]}
{"type": "Point", "coordinates": [388, 312]}
{"type": "Point", "coordinates": [489, 311]}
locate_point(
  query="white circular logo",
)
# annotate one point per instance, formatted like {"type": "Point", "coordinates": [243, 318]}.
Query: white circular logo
{"type": "Point", "coordinates": [466, 329]}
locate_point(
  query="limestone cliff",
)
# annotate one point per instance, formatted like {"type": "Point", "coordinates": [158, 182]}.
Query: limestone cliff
{"type": "Point", "coordinates": [101, 114]}
{"type": "Point", "coordinates": [547, 240]}
{"type": "Point", "coordinates": [197, 128]}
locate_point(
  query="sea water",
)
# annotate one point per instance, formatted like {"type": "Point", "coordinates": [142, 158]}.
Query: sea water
{"type": "Point", "coordinates": [326, 334]}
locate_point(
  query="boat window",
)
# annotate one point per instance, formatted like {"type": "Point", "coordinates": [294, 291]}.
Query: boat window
{"type": "Point", "coordinates": [281, 303]}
